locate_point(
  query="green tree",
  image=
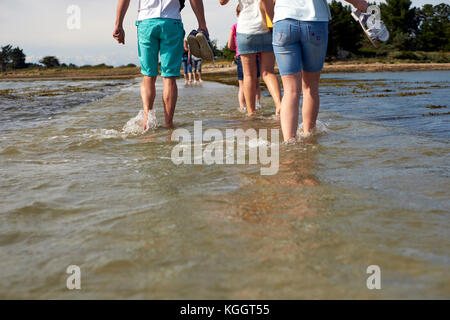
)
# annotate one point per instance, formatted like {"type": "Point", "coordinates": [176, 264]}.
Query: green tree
{"type": "Point", "coordinates": [434, 23]}
{"type": "Point", "coordinates": [345, 33]}
{"type": "Point", "coordinates": [50, 62]}
{"type": "Point", "coordinates": [5, 57]}
{"type": "Point", "coordinates": [227, 53]}
{"type": "Point", "coordinates": [17, 58]}
{"type": "Point", "coordinates": [400, 18]}
{"type": "Point", "coordinates": [216, 50]}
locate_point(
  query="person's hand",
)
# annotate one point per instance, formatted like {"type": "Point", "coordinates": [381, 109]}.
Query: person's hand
{"type": "Point", "coordinates": [361, 5]}
{"type": "Point", "coordinates": [119, 34]}
{"type": "Point", "coordinates": [204, 29]}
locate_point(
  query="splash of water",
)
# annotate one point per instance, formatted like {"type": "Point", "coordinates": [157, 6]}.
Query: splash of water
{"type": "Point", "coordinates": [320, 128]}
{"type": "Point", "coordinates": [134, 125]}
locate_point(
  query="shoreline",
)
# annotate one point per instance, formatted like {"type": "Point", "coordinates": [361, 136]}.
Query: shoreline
{"type": "Point", "coordinates": [215, 71]}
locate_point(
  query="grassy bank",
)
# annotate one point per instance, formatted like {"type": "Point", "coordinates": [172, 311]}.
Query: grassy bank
{"type": "Point", "coordinates": [221, 69]}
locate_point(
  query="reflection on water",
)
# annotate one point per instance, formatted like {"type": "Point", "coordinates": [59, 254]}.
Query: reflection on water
{"type": "Point", "coordinates": [79, 189]}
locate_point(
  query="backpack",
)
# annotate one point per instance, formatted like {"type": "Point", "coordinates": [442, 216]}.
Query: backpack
{"type": "Point", "coordinates": [182, 4]}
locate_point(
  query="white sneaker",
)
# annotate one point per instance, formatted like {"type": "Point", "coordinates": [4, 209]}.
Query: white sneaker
{"type": "Point", "coordinates": [258, 105]}
{"type": "Point", "coordinates": [374, 34]}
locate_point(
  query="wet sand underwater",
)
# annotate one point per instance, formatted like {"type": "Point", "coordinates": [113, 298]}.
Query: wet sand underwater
{"type": "Point", "coordinates": [78, 189]}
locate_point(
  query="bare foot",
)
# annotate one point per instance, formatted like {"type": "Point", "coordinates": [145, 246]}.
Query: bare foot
{"type": "Point", "coordinates": [144, 121]}
{"type": "Point", "coordinates": [169, 125]}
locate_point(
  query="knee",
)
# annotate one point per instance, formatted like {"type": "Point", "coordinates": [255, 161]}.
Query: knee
{"type": "Point", "coordinates": [310, 87]}
{"type": "Point", "coordinates": [267, 73]}
{"type": "Point", "coordinates": [250, 78]}
{"type": "Point", "coordinates": [294, 93]}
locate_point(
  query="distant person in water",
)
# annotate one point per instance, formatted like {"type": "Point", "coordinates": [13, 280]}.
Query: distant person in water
{"type": "Point", "coordinates": [160, 34]}
{"type": "Point", "coordinates": [187, 63]}
{"type": "Point", "coordinates": [197, 69]}
{"type": "Point", "coordinates": [232, 45]}
{"type": "Point", "coordinates": [253, 38]}
{"type": "Point", "coordinates": [300, 38]}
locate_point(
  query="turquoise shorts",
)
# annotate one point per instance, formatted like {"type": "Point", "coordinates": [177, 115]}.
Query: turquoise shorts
{"type": "Point", "coordinates": [163, 38]}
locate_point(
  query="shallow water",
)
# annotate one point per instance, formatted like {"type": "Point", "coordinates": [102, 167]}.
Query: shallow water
{"type": "Point", "coordinates": [75, 189]}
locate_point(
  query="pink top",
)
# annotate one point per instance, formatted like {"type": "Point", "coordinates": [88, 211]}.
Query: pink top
{"type": "Point", "coordinates": [233, 29]}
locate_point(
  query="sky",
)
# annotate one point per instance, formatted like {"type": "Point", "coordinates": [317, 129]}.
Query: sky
{"type": "Point", "coordinates": [40, 28]}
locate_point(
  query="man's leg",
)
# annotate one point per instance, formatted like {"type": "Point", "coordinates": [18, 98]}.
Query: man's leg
{"type": "Point", "coordinates": [311, 100]}
{"type": "Point", "coordinates": [171, 51]}
{"type": "Point", "coordinates": [148, 94]}
{"type": "Point", "coordinates": [170, 96]}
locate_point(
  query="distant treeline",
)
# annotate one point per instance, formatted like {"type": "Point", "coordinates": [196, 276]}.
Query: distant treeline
{"type": "Point", "coordinates": [412, 29]}
{"type": "Point", "coordinates": [14, 58]}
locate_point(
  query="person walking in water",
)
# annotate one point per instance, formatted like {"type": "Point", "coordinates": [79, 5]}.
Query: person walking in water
{"type": "Point", "coordinates": [254, 37]}
{"type": "Point", "coordinates": [197, 69]}
{"type": "Point", "coordinates": [300, 38]}
{"type": "Point", "coordinates": [160, 34]}
{"type": "Point", "coordinates": [232, 45]}
{"type": "Point", "coordinates": [187, 64]}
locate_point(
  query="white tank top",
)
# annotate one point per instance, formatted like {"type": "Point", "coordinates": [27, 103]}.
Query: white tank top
{"type": "Point", "coordinates": [250, 19]}
{"type": "Point", "coordinates": [149, 9]}
{"type": "Point", "coordinates": [303, 10]}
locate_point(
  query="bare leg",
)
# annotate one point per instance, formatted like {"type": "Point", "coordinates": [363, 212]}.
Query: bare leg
{"type": "Point", "coordinates": [193, 74]}
{"type": "Point", "coordinates": [148, 94]}
{"type": "Point", "coordinates": [170, 96]}
{"type": "Point", "coordinates": [190, 77]}
{"type": "Point", "coordinates": [289, 105]}
{"type": "Point", "coordinates": [311, 100]}
{"type": "Point", "coordinates": [250, 73]}
{"type": "Point", "coordinates": [269, 77]}
{"type": "Point", "coordinates": [241, 95]}
{"type": "Point", "coordinates": [199, 74]}
{"type": "Point", "coordinates": [258, 91]}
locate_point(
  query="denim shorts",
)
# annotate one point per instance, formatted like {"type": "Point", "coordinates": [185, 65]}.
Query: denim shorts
{"type": "Point", "coordinates": [163, 38]}
{"type": "Point", "coordinates": [187, 67]}
{"type": "Point", "coordinates": [240, 71]}
{"type": "Point", "coordinates": [300, 45]}
{"type": "Point", "coordinates": [254, 43]}
{"type": "Point", "coordinates": [197, 65]}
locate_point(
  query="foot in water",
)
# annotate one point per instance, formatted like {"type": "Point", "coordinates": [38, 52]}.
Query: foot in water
{"type": "Point", "coordinates": [319, 128]}
{"type": "Point", "coordinates": [149, 120]}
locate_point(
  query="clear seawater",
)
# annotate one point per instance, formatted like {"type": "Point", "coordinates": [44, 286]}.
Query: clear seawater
{"type": "Point", "coordinates": [75, 189]}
